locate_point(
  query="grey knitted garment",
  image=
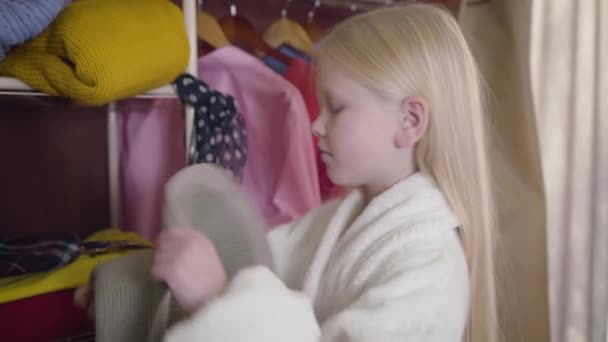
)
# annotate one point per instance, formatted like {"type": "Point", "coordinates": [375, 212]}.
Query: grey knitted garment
{"type": "Point", "coordinates": [130, 306]}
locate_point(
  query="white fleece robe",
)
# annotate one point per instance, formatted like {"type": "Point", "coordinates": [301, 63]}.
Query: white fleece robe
{"type": "Point", "coordinates": [392, 271]}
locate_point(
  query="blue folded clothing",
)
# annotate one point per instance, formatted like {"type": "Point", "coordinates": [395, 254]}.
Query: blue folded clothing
{"type": "Point", "coordinates": [21, 20]}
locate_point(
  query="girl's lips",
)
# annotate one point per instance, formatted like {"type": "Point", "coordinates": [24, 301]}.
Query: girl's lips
{"type": "Point", "coordinates": [325, 156]}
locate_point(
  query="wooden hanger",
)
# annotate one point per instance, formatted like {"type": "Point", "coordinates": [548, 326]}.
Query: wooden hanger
{"type": "Point", "coordinates": [315, 32]}
{"type": "Point", "coordinates": [287, 31]}
{"type": "Point", "coordinates": [241, 32]}
{"type": "Point", "coordinates": [209, 30]}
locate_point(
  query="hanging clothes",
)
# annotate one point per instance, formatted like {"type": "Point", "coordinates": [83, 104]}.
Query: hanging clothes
{"type": "Point", "coordinates": [220, 135]}
{"type": "Point", "coordinates": [294, 53]}
{"type": "Point", "coordinates": [302, 75]}
{"type": "Point", "coordinates": [151, 151]}
{"type": "Point", "coordinates": [21, 20]}
{"type": "Point", "coordinates": [281, 172]}
{"type": "Point", "coordinates": [275, 64]}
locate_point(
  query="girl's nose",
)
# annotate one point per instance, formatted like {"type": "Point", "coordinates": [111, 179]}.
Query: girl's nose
{"type": "Point", "coordinates": [318, 126]}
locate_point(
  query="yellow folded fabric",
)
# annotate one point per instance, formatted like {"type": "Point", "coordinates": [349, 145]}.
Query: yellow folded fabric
{"type": "Point", "coordinates": [98, 51]}
{"type": "Point", "coordinates": [70, 276]}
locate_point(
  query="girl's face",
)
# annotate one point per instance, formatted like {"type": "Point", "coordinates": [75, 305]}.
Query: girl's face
{"type": "Point", "coordinates": [356, 130]}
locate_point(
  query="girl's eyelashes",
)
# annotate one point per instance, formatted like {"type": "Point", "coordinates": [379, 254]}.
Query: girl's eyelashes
{"type": "Point", "coordinates": [336, 110]}
{"type": "Point", "coordinates": [329, 104]}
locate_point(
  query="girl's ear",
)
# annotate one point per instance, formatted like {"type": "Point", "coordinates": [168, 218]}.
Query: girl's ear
{"type": "Point", "coordinates": [413, 121]}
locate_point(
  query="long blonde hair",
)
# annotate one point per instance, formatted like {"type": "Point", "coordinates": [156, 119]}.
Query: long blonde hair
{"type": "Point", "coordinates": [419, 49]}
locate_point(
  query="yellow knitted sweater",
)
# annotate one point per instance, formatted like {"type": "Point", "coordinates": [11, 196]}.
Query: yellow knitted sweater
{"type": "Point", "coordinates": [98, 51]}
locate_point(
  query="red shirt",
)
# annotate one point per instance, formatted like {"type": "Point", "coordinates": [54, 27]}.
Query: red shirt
{"type": "Point", "coordinates": [302, 75]}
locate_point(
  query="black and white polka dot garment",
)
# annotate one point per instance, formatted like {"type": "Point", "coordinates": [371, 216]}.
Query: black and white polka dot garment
{"type": "Point", "coordinates": [220, 134]}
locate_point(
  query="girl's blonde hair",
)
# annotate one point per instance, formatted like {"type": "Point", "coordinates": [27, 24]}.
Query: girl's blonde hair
{"type": "Point", "coordinates": [419, 49]}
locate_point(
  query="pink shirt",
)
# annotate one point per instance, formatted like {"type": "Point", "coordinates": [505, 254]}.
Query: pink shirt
{"type": "Point", "coordinates": [281, 173]}
{"type": "Point", "coordinates": [151, 151]}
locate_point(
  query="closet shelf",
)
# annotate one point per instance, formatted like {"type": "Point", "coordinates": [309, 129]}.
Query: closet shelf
{"type": "Point", "coordinates": [12, 86]}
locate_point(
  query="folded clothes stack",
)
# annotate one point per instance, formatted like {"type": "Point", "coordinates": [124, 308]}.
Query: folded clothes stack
{"type": "Point", "coordinates": [98, 51]}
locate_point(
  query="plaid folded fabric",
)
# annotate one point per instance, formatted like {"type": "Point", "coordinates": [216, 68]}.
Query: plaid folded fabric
{"type": "Point", "coordinates": [20, 255]}
{"type": "Point", "coordinates": [26, 254]}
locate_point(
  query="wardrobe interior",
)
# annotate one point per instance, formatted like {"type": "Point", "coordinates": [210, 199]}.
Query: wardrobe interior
{"type": "Point", "coordinates": [55, 179]}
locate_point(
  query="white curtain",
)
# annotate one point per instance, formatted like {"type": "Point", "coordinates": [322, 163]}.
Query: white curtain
{"type": "Point", "coordinates": [569, 57]}
{"type": "Point", "coordinates": [545, 63]}
{"type": "Point", "coordinates": [499, 32]}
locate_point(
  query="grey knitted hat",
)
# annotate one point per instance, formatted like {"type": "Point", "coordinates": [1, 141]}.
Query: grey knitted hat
{"type": "Point", "coordinates": [130, 306]}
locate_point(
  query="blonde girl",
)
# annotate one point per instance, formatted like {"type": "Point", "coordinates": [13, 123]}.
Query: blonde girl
{"type": "Point", "coordinates": [408, 255]}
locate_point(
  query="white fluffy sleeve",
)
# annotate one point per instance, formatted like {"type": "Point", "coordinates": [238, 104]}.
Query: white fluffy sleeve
{"type": "Point", "coordinates": [255, 307]}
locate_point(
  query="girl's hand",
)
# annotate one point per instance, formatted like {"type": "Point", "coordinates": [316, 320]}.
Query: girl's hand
{"type": "Point", "coordinates": [84, 299]}
{"type": "Point", "coordinates": [189, 264]}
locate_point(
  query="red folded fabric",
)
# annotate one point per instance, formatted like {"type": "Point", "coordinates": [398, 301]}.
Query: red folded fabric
{"type": "Point", "coordinates": [43, 318]}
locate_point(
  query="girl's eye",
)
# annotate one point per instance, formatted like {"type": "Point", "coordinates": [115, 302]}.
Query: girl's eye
{"type": "Point", "coordinates": [336, 110]}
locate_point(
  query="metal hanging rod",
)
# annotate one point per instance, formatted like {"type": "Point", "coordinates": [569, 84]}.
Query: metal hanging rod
{"type": "Point", "coordinates": [352, 4]}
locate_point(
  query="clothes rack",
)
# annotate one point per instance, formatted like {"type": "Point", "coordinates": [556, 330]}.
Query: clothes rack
{"type": "Point", "coordinates": [13, 87]}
